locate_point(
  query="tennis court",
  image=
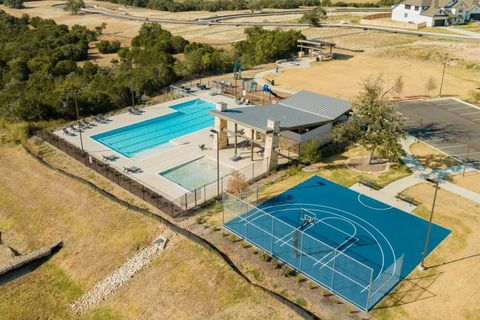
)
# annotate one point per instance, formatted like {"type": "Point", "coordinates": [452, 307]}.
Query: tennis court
{"type": "Point", "coordinates": [355, 246]}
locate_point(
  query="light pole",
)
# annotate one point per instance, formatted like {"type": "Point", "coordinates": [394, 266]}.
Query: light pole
{"type": "Point", "coordinates": [78, 119]}
{"type": "Point", "coordinates": [443, 74]}
{"type": "Point", "coordinates": [218, 160]}
{"type": "Point", "coordinates": [424, 253]}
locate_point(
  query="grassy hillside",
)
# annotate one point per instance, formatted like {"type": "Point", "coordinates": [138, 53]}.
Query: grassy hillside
{"type": "Point", "coordinates": [39, 206]}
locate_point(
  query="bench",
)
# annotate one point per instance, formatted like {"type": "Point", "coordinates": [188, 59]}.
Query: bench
{"type": "Point", "coordinates": [370, 184]}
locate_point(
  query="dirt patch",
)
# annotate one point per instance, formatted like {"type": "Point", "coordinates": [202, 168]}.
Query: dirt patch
{"type": "Point", "coordinates": [471, 180]}
{"type": "Point", "coordinates": [448, 289]}
{"type": "Point", "coordinates": [362, 164]}
{"type": "Point", "coordinates": [431, 157]}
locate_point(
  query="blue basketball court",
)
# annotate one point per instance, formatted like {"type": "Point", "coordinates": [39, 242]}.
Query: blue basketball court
{"type": "Point", "coordinates": [355, 246]}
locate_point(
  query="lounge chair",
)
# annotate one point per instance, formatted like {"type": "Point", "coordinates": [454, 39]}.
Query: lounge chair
{"type": "Point", "coordinates": [132, 169]}
{"type": "Point", "coordinates": [99, 120]}
{"type": "Point", "coordinates": [202, 147]}
{"type": "Point", "coordinates": [110, 157]}
{"type": "Point", "coordinates": [68, 133]}
{"type": "Point", "coordinates": [91, 124]}
{"type": "Point", "coordinates": [133, 111]}
{"type": "Point", "coordinates": [105, 119]}
{"type": "Point", "coordinates": [76, 129]}
{"type": "Point", "coordinates": [138, 110]}
{"type": "Point", "coordinates": [236, 157]}
{"type": "Point", "coordinates": [85, 124]}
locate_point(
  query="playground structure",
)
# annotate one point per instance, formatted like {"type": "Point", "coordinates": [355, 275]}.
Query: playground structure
{"type": "Point", "coordinates": [246, 90]}
{"type": "Point", "coordinates": [316, 49]}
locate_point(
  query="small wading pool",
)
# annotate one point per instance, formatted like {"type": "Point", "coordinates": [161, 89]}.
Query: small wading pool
{"type": "Point", "coordinates": [194, 174]}
{"type": "Point", "coordinates": [130, 140]}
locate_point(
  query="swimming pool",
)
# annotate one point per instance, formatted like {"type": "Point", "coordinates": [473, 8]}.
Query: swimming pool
{"type": "Point", "coordinates": [130, 140]}
{"type": "Point", "coordinates": [194, 174]}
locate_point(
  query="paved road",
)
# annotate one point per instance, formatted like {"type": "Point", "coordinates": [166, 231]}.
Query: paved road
{"type": "Point", "coordinates": [110, 13]}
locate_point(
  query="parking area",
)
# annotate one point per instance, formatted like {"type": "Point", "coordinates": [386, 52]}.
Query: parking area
{"type": "Point", "coordinates": [450, 125]}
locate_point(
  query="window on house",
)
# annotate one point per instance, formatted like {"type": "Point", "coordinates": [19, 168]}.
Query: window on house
{"type": "Point", "coordinates": [405, 15]}
{"type": "Point", "coordinates": [407, 6]}
{"type": "Point", "coordinates": [417, 8]}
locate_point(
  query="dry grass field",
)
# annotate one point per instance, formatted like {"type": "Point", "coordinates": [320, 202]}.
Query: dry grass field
{"type": "Point", "coordinates": [431, 157]}
{"type": "Point", "coordinates": [471, 180]}
{"type": "Point", "coordinates": [449, 288]}
{"type": "Point", "coordinates": [39, 206]}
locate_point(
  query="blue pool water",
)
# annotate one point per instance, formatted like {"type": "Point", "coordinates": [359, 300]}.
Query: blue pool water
{"type": "Point", "coordinates": [130, 140]}
{"type": "Point", "coordinates": [194, 174]}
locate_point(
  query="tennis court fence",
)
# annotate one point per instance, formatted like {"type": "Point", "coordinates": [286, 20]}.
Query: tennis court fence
{"type": "Point", "coordinates": [328, 266]}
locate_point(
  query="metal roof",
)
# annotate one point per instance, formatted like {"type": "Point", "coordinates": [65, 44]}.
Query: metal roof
{"type": "Point", "coordinates": [317, 104]}
{"type": "Point", "coordinates": [257, 116]}
{"type": "Point", "coordinates": [302, 109]}
{"type": "Point", "coordinates": [317, 42]}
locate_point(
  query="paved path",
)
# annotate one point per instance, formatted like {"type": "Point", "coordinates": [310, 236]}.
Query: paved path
{"type": "Point", "coordinates": [420, 173]}
{"type": "Point", "coordinates": [464, 32]}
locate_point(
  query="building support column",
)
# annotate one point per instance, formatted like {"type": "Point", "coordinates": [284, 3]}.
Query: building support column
{"type": "Point", "coordinates": [270, 159]}
{"type": "Point", "coordinates": [221, 128]}
{"type": "Point", "coordinates": [235, 140]}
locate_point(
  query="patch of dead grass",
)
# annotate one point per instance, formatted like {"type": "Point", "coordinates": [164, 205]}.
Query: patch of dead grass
{"type": "Point", "coordinates": [431, 157]}
{"type": "Point", "coordinates": [471, 180]}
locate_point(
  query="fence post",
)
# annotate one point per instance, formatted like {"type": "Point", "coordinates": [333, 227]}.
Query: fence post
{"type": "Point", "coordinates": [333, 268]}
{"type": "Point", "coordinates": [273, 235]}
{"type": "Point", "coordinates": [369, 290]}
{"type": "Point", "coordinates": [195, 196]}
{"type": "Point", "coordinates": [186, 203]}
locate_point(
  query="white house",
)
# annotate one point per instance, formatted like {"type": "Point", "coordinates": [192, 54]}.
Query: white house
{"type": "Point", "coordinates": [436, 12]}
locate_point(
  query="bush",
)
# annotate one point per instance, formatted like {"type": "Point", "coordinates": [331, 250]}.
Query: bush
{"type": "Point", "coordinates": [244, 244]}
{"type": "Point", "coordinates": [310, 153]}
{"type": "Point", "coordinates": [301, 302]}
{"type": "Point", "coordinates": [254, 251]}
{"type": "Point", "coordinates": [287, 271]}
{"type": "Point", "coordinates": [475, 95]}
{"type": "Point", "coordinates": [293, 169]}
{"type": "Point", "coordinates": [224, 233]}
{"type": "Point", "coordinates": [214, 228]}
{"type": "Point", "coordinates": [277, 264]}
{"type": "Point", "coordinates": [299, 278]}
{"type": "Point", "coordinates": [233, 238]}
{"type": "Point", "coordinates": [200, 220]}
{"type": "Point", "coordinates": [104, 46]}
{"type": "Point", "coordinates": [311, 285]}
{"type": "Point", "coordinates": [265, 257]}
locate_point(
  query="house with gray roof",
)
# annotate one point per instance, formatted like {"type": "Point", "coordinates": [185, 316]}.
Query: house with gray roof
{"type": "Point", "coordinates": [302, 117]}
{"type": "Point", "coordinates": [434, 13]}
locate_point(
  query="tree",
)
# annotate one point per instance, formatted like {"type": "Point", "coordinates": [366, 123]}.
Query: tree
{"type": "Point", "coordinates": [313, 18]}
{"type": "Point", "coordinates": [99, 29]}
{"type": "Point", "coordinates": [430, 85]}
{"type": "Point", "coordinates": [375, 124]}
{"type": "Point", "coordinates": [397, 88]}
{"type": "Point", "coordinates": [16, 4]}
{"type": "Point", "coordinates": [104, 46]}
{"type": "Point", "coordinates": [310, 153]}
{"type": "Point", "coordinates": [74, 6]}
{"type": "Point", "coordinates": [237, 183]}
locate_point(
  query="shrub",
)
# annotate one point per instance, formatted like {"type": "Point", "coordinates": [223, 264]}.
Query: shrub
{"type": "Point", "coordinates": [104, 46]}
{"type": "Point", "coordinates": [277, 264]}
{"type": "Point", "coordinates": [244, 244]}
{"type": "Point", "coordinates": [224, 233]}
{"type": "Point", "coordinates": [310, 153]}
{"type": "Point", "coordinates": [299, 278]}
{"type": "Point", "coordinates": [301, 301]}
{"type": "Point", "coordinates": [293, 169]}
{"type": "Point", "coordinates": [475, 95]}
{"type": "Point", "coordinates": [233, 238]}
{"type": "Point", "coordinates": [311, 285]}
{"type": "Point", "coordinates": [254, 251]}
{"type": "Point", "coordinates": [200, 220]}
{"type": "Point", "coordinates": [287, 271]}
{"type": "Point", "coordinates": [214, 228]}
{"type": "Point", "coordinates": [265, 257]}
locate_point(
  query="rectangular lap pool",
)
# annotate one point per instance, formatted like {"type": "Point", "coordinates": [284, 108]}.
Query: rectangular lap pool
{"type": "Point", "coordinates": [194, 174]}
{"type": "Point", "coordinates": [130, 140]}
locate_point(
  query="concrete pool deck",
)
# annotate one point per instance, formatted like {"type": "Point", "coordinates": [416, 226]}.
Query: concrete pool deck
{"type": "Point", "coordinates": [156, 160]}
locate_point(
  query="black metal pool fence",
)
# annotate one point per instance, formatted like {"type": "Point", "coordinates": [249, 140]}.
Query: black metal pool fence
{"type": "Point", "coordinates": [174, 207]}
